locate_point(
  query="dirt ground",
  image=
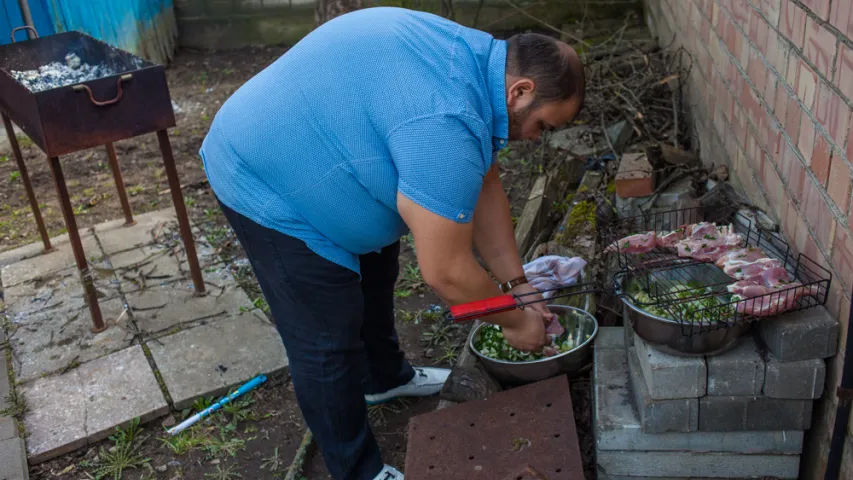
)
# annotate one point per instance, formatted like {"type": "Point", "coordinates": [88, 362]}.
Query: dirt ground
{"type": "Point", "coordinates": [258, 436]}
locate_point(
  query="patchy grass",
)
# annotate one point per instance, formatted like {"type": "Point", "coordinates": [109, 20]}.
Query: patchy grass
{"type": "Point", "coordinates": [124, 455]}
{"type": "Point", "coordinates": [14, 176]}
{"type": "Point", "coordinates": [16, 405]}
{"type": "Point", "coordinates": [437, 334]}
{"type": "Point", "coordinates": [410, 281]}
{"type": "Point", "coordinates": [419, 316]}
{"type": "Point", "coordinates": [221, 474]}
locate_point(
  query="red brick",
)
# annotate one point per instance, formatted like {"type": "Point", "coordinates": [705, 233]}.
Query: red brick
{"type": "Point", "coordinates": [773, 184]}
{"type": "Point", "coordinates": [780, 105]}
{"type": "Point", "coordinates": [769, 93]}
{"type": "Point", "coordinates": [635, 176]}
{"type": "Point", "coordinates": [841, 15]}
{"type": "Point", "coordinates": [839, 183]}
{"type": "Point", "coordinates": [771, 11]}
{"type": "Point", "coordinates": [790, 218]}
{"type": "Point", "coordinates": [820, 159]}
{"type": "Point", "coordinates": [801, 237]}
{"type": "Point", "coordinates": [844, 71]}
{"type": "Point", "coordinates": [705, 31]}
{"type": "Point", "coordinates": [819, 7]}
{"type": "Point", "coordinates": [819, 216]}
{"type": "Point", "coordinates": [820, 46]}
{"type": "Point", "coordinates": [806, 85]}
{"type": "Point", "coordinates": [792, 22]}
{"type": "Point", "coordinates": [792, 72]}
{"type": "Point", "coordinates": [838, 119]}
{"type": "Point", "coordinates": [805, 143]}
{"type": "Point", "coordinates": [791, 170]}
{"type": "Point", "coordinates": [842, 256]}
{"type": "Point", "coordinates": [792, 119]}
{"type": "Point", "coordinates": [763, 32]}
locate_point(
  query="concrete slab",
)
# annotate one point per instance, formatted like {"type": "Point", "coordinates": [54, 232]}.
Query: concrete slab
{"type": "Point", "coordinates": [59, 291]}
{"type": "Point", "coordinates": [692, 465]}
{"type": "Point", "coordinates": [740, 371]}
{"type": "Point", "coordinates": [8, 428]}
{"type": "Point", "coordinates": [670, 377]}
{"type": "Point", "coordinates": [83, 406]}
{"type": "Point", "coordinates": [40, 265]}
{"type": "Point", "coordinates": [617, 424]}
{"type": "Point", "coordinates": [604, 476]}
{"type": "Point", "coordinates": [660, 416]}
{"type": "Point", "coordinates": [13, 460]}
{"type": "Point", "coordinates": [210, 358]}
{"type": "Point", "coordinates": [803, 335]}
{"type": "Point", "coordinates": [115, 237]}
{"type": "Point", "coordinates": [162, 308]}
{"type": "Point", "coordinates": [750, 413]}
{"type": "Point", "coordinates": [145, 265]}
{"type": "Point", "coordinates": [49, 341]}
{"type": "Point", "coordinates": [609, 338]}
{"type": "Point", "coordinates": [803, 379]}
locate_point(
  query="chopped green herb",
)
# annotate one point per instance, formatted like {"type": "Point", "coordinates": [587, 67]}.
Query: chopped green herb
{"type": "Point", "coordinates": [710, 237]}
{"type": "Point", "coordinates": [627, 244]}
{"type": "Point", "coordinates": [686, 248]}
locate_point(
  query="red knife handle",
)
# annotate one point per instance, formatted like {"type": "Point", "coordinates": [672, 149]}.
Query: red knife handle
{"type": "Point", "coordinates": [481, 308]}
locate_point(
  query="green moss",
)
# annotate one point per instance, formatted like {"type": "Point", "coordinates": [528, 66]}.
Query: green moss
{"type": "Point", "coordinates": [611, 187]}
{"type": "Point", "coordinates": [583, 214]}
{"type": "Point", "coordinates": [583, 189]}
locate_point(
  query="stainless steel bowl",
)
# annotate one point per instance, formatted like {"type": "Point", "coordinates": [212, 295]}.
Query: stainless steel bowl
{"type": "Point", "coordinates": [580, 323]}
{"type": "Point", "coordinates": [671, 336]}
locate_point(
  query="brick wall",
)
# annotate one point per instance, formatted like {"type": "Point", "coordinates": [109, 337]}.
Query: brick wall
{"type": "Point", "coordinates": [771, 95]}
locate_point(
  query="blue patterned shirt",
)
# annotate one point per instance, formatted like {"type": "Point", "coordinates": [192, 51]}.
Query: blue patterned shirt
{"type": "Point", "coordinates": [377, 101]}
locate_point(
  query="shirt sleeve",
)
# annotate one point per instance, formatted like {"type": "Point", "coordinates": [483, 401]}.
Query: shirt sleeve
{"type": "Point", "coordinates": [441, 161]}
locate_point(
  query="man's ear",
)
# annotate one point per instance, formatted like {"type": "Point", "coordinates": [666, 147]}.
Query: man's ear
{"type": "Point", "coordinates": [520, 92]}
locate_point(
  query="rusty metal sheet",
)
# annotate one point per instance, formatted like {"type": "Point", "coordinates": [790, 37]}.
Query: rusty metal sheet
{"type": "Point", "coordinates": [524, 433]}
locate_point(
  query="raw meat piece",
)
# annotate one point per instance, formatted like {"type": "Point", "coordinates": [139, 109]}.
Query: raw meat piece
{"type": "Point", "coordinates": [669, 240]}
{"type": "Point", "coordinates": [740, 270]}
{"type": "Point", "coordinates": [639, 243]}
{"type": "Point", "coordinates": [707, 242]}
{"type": "Point", "coordinates": [776, 277]}
{"type": "Point", "coordinates": [555, 328]}
{"type": "Point", "coordinates": [779, 300]}
{"type": "Point", "coordinates": [549, 351]}
{"type": "Point", "coordinates": [747, 255]}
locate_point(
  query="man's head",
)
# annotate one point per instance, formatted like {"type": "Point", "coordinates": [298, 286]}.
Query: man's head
{"type": "Point", "coordinates": [544, 84]}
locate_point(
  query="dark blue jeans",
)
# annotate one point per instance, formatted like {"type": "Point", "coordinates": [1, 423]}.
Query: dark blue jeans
{"type": "Point", "coordinates": [339, 335]}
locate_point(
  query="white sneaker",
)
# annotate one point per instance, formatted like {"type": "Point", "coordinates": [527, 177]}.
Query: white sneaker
{"type": "Point", "coordinates": [389, 473]}
{"type": "Point", "coordinates": [427, 381]}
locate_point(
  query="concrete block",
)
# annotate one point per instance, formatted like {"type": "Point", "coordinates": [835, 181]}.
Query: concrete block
{"type": "Point", "coordinates": [50, 340]}
{"type": "Point", "coordinates": [617, 423]}
{"type": "Point", "coordinates": [740, 371]}
{"type": "Point", "coordinates": [692, 465]}
{"type": "Point", "coordinates": [610, 338]}
{"type": "Point", "coordinates": [803, 379]}
{"type": "Point", "coordinates": [210, 358]}
{"type": "Point", "coordinates": [48, 263]}
{"type": "Point", "coordinates": [84, 405]}
{"type": "Point", "coordinates": [660, 416]}
{"type": "Point", "coordinates": [803, 335]}
{"type": "Point", "coordinates": [670, 377]}
{"type": "Point", "coordinates": [635, 177]}
{"type": "Point", "coordinates": [750, 413]}
{"type": "Point", "coordinates": [604, 476]}
{"type": "Point", "coordinates": [13, 460]}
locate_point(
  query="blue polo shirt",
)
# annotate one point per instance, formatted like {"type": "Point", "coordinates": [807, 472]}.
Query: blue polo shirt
{"type": "Point", "coordinates": [377, 101]}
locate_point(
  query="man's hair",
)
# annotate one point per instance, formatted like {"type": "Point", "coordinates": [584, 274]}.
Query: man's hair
{"type": "Point", "coordinates": [539, 58]}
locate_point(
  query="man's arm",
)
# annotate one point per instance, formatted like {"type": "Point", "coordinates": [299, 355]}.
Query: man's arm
{"type": "Point", "coordinates": [494, 235]}
{"type": "Point", "coordinates": [445, 255]}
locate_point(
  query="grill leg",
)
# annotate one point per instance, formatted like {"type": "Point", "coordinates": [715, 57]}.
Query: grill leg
{"type": "Point", "coordinates": [22, 167]}
{"type": "Point", "coordinates": [122, 194]}
{"type": "Point", "coordinates": [180, 209]}
{"type": "Point", "coordinates": [77, 246]}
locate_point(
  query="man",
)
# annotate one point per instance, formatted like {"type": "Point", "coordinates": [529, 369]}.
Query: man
{"type": "Point", "coordinates": [381, 121]}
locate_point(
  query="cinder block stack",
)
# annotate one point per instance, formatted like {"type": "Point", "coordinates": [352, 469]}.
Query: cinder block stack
{"type": "Point", "coordinates": [739, 414]}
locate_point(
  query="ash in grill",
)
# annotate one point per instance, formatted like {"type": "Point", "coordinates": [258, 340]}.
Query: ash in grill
{"type": "Point", "coordinates": [59, 74]}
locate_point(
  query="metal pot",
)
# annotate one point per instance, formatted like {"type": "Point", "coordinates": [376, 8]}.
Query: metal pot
{"type": "Point", "coordinates": [580, 323]}
{"type": "Point", "coordinates": [671, 336]}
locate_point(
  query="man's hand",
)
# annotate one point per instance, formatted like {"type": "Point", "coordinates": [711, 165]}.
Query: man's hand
{"type": "Point", "coordinates": [540, 306]}
{"type": "Point", "coordinates": [529, 334]}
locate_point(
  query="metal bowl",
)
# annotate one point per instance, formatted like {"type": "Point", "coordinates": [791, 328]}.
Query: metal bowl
{"type": "Point", "coordinates": [671, 336]}
{"type": "Point", "coordinates": [579, 322]}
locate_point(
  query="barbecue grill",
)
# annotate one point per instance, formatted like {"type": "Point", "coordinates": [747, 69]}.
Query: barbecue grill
{"type": "Point", "coordinates": [688, 296]}
{"type": "Point", "coordinates": [131, 99]}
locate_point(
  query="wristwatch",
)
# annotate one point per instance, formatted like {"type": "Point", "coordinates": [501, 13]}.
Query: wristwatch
{"type": "Point", "coordinates": [506, 287]}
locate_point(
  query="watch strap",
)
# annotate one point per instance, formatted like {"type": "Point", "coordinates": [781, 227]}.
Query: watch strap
{"type": "Point", "coordinates": [507, 286]}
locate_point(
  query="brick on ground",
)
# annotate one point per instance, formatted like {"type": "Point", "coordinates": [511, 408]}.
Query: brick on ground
{"type": "Point", "coordinates": [740, 371]}
{"type": "Point", "coordinates": [660, 416]}
{"type": "Point", "coordinates": [668, 376]}
{"type": "Point", "coordinates": [802, 379]}
{"type": "Point", "coordinates": [635, 177]}
{"type": "Point", "coordinates": [617, 423]}
{"type": "Point", "coordinates": [750, 413]}
{"type": "Point", "coordinates": [803, 335]}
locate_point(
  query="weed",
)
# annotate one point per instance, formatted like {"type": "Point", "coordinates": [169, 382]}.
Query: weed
{"type": "Point", "coordinates": [437, 334]}
{"type": "Point", "coordinates": [377, 413]}
{"type": "Point", "coordinates": [189, 201]}
{"type": "Point", "coordinates": [239, 409]}
{"type": "Point", "coordinates": [136, 190]}
{"type": "Point", "coordinates": [410, 281]}
{"type": "Point", "coordinates": [185, 441]}
{"type": "Point", "coordinates": [124, 455]}
{"type": "Point", "coordinates": [4, 158]}
{"type": "Point", "coordinates": [221, 474]}
{"type": "Point", "coordinates": [80, 209]}
{"type": "Point", "coordinates": [201, 403]}
{"type": "Point", "coordinates": [450, 355]}
{"type": "Point", "coordinates": [25, 141]}
{"type": "Point", "coordinates": [273, 463]}
{"type": "Point", "coordinates": [14, 176]}
{"type": "Point", "coordinates": [217, 446]}
{"type": "Point", "coordinates": [89, 192]}
{"type": "Point", "coordinates": [16, 405]}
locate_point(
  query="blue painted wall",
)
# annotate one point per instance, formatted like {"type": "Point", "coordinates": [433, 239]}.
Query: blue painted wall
{"type": "Point", "coordinates": [144, 27]}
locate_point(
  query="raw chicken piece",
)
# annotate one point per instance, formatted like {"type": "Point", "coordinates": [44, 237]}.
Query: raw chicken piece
{"type": "Point", "coordinates": [549, 351]}
{"type": "Point", "coordinates": [779, 300]}
{"type": "Point", "coordinates": [555, 328]}
{"type": "Point", "coordinates": [639, 243]}
{"type": "Point", "coordinates": [776, 277]}
{"type": "Point", "coordinates": [747, 255]}
{"type": "Point", "coordinates": [740, 270]}
{"type": "Point", "coordinates": [669, 240]}
{"type": "Point", "coordinates": [707, 242]}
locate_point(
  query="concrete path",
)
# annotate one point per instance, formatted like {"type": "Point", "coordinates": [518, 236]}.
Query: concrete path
{"type": "Point", "coordinates": [164, 346]}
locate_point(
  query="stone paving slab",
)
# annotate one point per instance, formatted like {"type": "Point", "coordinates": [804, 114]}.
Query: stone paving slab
{"type": "Point", "coordinates": [147, 265]}
{"type": "Point", "coordinates": [57, 291]}
{"type": "Point", "coordinates": [49, 341]}
{"type": "Point", "coordinates": [115, 237]}
{"type": "Point", "coordinates": [211, 358]}
{"type": "Point", "coordinates": [13, 460]}
{"type": "Point", "coordinates": [691, 465]}
{"type": "Point", "coordinates": [47, 263]}
{"type": "Point", "coordinates": [83, 406]}
{"type": "Point", "coordinates": [162, 308]}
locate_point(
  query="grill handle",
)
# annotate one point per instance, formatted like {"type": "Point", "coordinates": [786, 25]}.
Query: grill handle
{"type": "Point", "coordinates": [480, 308]}
{"type": "Point", "coordinates": [85, 88]}
{"type": "Point", "coordinates": [25, 27]}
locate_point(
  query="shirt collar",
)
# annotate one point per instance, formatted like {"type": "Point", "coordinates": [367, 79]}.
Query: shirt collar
{"type": "Point", "coordinates": [496, 82]}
